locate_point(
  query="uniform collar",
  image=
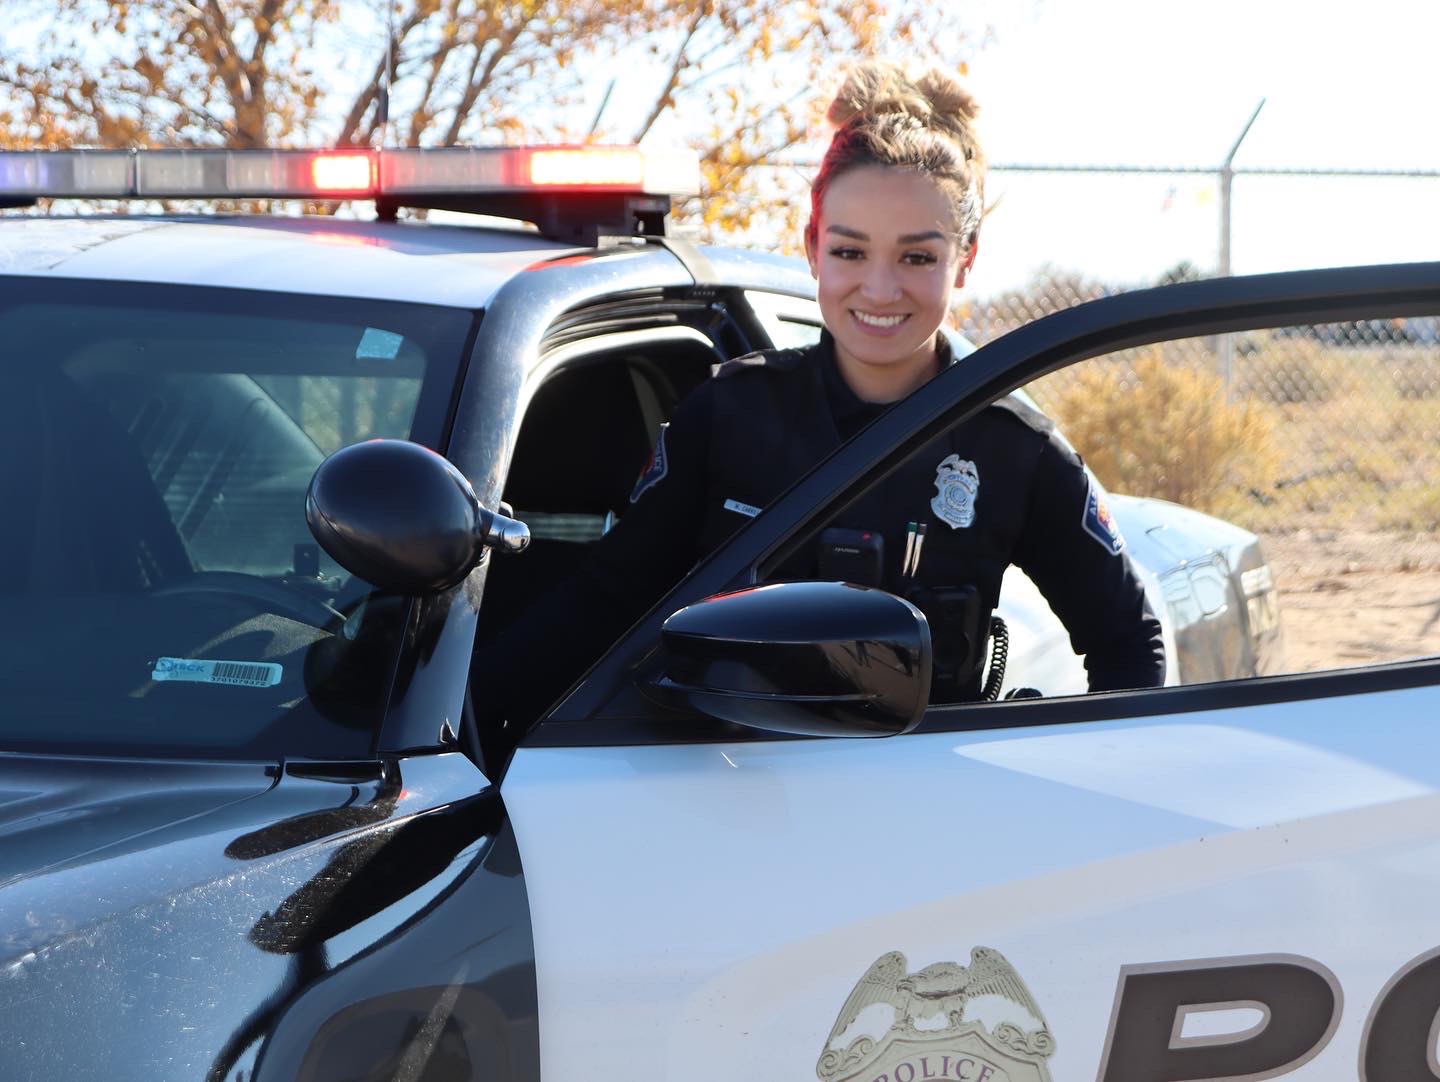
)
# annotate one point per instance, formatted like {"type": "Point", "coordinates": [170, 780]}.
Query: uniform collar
{"type": "Point", "coordinates": [845, 405]}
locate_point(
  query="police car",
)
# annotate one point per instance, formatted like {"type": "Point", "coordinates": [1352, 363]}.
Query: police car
{"type": "Point", "coordinates": [252, 831]}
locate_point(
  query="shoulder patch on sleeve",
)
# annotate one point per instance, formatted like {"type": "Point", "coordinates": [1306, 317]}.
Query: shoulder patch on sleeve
{"type": "Point", "coordinates": [655, 470]}
{"type": "Point", "coordinates": [1099, 523]}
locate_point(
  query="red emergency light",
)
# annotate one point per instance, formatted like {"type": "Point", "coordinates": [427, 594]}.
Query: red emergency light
{"type": "Point", "coordinates": [343, 173]}
{"type": "Point", "coordinates": [565, 190]}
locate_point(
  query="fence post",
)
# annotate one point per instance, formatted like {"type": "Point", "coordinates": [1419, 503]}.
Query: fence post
{"type": "Point", "coordinates": [1227, 178]}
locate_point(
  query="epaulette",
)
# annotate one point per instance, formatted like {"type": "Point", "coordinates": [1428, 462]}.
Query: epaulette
{"type": "Point", "coordinates": [1025, 413]}
{"type": "Point", "coordinates": [766, 358]}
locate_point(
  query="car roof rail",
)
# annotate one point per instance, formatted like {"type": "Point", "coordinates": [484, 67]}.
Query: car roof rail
{"type": "Point", "coordinates": [571, 193]}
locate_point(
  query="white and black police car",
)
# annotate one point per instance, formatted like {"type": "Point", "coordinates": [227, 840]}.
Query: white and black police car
{"type": "Point", "coordinates": [251, 830]}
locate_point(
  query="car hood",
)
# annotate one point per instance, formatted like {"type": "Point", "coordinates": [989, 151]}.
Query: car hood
{"type": "Point", "coordinates": [149, 912]}
{"type": "Point", "coordinates": [58, 814]}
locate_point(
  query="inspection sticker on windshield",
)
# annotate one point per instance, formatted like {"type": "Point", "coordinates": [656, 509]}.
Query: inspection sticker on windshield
{"type": "Point", "coordinates": [243, 674]}
{"type": "Point", "coordinates": [378, 345]}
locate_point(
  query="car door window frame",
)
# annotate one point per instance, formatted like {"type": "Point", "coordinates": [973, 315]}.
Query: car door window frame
{"type": "Point", "coordinates": [609, 706]}
{"type": "Point", "coordinates": [776, 311]}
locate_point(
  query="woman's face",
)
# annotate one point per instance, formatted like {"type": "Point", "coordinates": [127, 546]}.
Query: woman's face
{"type": "Point", "coordinates": [885, 260]}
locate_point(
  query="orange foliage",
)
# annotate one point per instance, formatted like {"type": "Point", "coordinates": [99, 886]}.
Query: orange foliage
{"type": "Point", "coordinates": [743, 78]}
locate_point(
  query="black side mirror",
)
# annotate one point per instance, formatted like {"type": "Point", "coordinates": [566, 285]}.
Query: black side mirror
{"type": "Point", "coordinates": [403, 518]}
{"type": "Point", "coordinates": [814, 658]}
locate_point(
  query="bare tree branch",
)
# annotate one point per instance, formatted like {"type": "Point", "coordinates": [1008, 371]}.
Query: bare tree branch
{"type": "Point", "coordinates": [249, 123]}
{"type": "Point", "coordinates": [264, 32]}
{"type": "Point", "coordinates": [370, 93]}
{"type": "Point", "coordinates": [420, 119]}
{"type": "Point", "coordinates": [663, 101]}
{"type": "Point", "coordinates": [476, 86]}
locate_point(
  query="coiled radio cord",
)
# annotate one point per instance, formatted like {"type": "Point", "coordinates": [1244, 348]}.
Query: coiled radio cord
{"type": "Point", "coordinates": [999, 652]}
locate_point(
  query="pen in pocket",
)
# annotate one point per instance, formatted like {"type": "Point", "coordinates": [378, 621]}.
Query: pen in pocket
{"type": "Point", "coordinates": [914, 545]}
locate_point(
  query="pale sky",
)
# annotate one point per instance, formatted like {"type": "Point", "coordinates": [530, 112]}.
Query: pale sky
{"type": "Point", "coordinates": [1347, 85]}
{"type": "Point", "coordinates": [1162, 83]}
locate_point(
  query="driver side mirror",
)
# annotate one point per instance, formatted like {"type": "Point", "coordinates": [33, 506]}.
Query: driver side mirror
{"type": "Point", "coordinates": [811, 658]}
{"type": "Point", "coordinates": [403, 518]}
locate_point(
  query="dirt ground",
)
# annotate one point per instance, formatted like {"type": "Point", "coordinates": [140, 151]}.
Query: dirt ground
{"type": "Point", "coordinates": [1355, 598]}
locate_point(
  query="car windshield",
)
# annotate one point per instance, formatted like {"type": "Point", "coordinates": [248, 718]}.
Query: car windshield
{"type": "Point", "coordinates": [160, 592]}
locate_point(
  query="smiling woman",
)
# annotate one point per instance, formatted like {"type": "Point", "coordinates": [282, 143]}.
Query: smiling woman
{"type": "Point", "coordinates": [894, 222]}
{"type": "Point", "coordinates": [885, 257]}
{"type": "Point", "coordinates": [894, 231]}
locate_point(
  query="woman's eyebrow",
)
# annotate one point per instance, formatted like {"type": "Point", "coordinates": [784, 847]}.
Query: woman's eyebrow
{"type": "Point", "coordinates": [908, 238]}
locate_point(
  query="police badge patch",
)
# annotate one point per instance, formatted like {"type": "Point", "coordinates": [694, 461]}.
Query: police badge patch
{"type": "Point", "coordinates": [957, 483]}
{"type": "Point", "coordinates": [927, 1034]}
{"type": "Point", "coordinates": [1100, 523]}
{"type": "Point", "coordinates": [655, 470]}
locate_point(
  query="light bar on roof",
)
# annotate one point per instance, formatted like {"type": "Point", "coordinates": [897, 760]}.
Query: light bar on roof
{"type": "Point", "coordinates": [307, 174]}
{"type": "Point", "coordinates": [254, 174]}
{"type": "Point", "coordinates": [343, 172]}
{"type": "Point", "coordinates": [587, 167]}
{"type": "Point", "coordinates": [449, 169]}
{"type": "Point", "coordinates": [84, 173]}
{"type": "Point", "coordinates": [462, 170]}
{"type": "Point", "coordinates": [622, 168]}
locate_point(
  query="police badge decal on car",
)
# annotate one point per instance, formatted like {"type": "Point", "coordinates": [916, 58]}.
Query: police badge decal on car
{"type": "Point", "coordinates": [925, 1034]}
{"type": "Point", "coordinates": [957, 483]}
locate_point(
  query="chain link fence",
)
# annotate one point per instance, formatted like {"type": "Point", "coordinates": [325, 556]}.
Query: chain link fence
{"type": "Point", "coordinates": [1293, 431]}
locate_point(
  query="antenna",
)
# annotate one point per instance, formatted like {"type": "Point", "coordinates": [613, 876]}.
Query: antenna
{"type": "Point", "coordinates": [600, 112]}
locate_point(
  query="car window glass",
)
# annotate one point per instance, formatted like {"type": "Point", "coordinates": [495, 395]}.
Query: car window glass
{"type": "Point", "coordinates": [1277, 492]}
{"type": "Point", "coordinates": [794, 333]}
{"type": "Point", "coordinates": [1321, 442]}
{"type": "Point", "coordinates": [790, 322]}
{"type": "Point", "coordinates": [160, 548]}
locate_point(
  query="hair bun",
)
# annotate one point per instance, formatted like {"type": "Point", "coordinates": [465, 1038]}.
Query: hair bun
{"type": "Point", "coordinates": [919, 120]}
{"type": "Point", "coordinates": [931, 96]}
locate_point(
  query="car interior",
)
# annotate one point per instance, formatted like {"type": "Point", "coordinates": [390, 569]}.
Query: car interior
{"type": "Point", "coordinates": [584, 441]}
{"type": "Point", "coordinates": [161, 517]}
{"type": "Point", "coordinates": [52, 546]}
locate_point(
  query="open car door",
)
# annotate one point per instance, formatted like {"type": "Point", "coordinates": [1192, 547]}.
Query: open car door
{"type": "Point", "coordinates": [1217, 881]}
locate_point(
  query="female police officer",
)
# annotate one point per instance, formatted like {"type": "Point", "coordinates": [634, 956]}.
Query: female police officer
{"type": "Point", "coordinates": [894, 227]}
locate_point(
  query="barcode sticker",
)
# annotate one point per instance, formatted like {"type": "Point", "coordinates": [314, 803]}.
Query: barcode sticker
{"type": "Point", "coordinates": [240, 674]}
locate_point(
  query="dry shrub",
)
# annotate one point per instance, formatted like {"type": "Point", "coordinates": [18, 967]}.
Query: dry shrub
{"type": "Point", "coordinates": [1414, 507]}
{"type": "Point", "coordinates": [1152, 429]}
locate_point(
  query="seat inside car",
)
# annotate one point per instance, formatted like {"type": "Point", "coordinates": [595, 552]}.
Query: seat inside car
{"type": "Point", "coordinates": [584, 440]}
{"type": "Point", "coordinates": [582, 444]}
{"type": "Point", "coordinates": [84, 515]}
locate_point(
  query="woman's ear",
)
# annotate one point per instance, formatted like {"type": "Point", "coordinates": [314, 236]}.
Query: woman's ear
{"type": "Point", "coordinates": [967, 263]}
{"type": "Point", "coordinates": [810, 254]}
